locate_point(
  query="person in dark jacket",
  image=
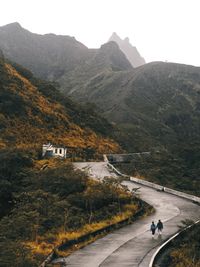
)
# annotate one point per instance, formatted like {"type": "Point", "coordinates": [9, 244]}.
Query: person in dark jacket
{"type": "Point", "coordinates": [159, 227]}
{"type": "Point", "coordinates": [153, 228]}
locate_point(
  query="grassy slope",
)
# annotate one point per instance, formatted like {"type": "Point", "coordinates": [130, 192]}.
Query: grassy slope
{"type": "Point", "coordinates": [29, 118]}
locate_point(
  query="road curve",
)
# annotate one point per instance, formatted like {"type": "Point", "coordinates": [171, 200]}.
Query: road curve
{"type": "Point", "coordinates": [133, 245]}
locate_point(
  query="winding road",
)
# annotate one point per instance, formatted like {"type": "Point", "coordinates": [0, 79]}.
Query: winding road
{"type": "Point", "coordinates": [133, 245]}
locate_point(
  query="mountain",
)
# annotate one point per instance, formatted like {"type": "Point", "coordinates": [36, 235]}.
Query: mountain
{"type": "Point", "coordinates": [108, 59]}
{"type": "Point", "coordinates": [157, 104]}
{"type": "Point", "coordinates": [47, 56]}
{"type": "Point", "coordinates": [139, 100]}
{"type": "Point", "coordinates": [53, 57]}
{"type": "Point", "coordinates": [130, 51]}
{"type": "Point", "coordinates": [142, 100]}
{"type": "Point", "coordinates": [33, 112]}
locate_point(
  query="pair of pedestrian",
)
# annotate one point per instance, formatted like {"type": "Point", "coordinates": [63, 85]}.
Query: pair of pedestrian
{"type": "Point", "coordinates": [159, 226]}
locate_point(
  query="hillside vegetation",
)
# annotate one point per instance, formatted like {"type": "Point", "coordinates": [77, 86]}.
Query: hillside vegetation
{"type": "Point", "coordinates": [181, 252]}
{"type": "Point", "coordinates": [43, 208]}
{"type": "Point", "coordinates": [44, 203]}
{"type": "Point", "coordinates": [33, 112]}
{"type": "Point", "coordinates": [157, 104]}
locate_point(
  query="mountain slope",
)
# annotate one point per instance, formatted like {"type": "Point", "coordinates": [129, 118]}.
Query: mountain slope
{"type": "Point", "coordinates": [130, 51]}
{"type": "Point", "coordinates": [33, 112]}
{"type": "Point", "coordinates": [157, 104]}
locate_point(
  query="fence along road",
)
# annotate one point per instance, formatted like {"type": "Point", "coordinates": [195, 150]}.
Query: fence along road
{"type": "Point", "coordinates": [133, 245]}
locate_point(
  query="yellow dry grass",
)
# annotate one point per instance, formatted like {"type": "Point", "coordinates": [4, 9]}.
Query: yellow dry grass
{"type": "Point", "coordinates": [43, 247]}
{"type": "Point", "coordinates": [51, 121]}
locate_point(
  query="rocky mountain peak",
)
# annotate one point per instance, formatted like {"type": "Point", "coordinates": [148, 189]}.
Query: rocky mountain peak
{"type": "Point", "coordinates": [13, 26]}
{"type": "Point", "coordinates": [126, 40]}
{"type": "Point", "coordinates": [114, 37]}
{"type": "Point", "coordinates": [111, 53]}
{"type": "Point", "coordinates": [110, 46]}
{"type": "Point", "coordinates": [130, 51]}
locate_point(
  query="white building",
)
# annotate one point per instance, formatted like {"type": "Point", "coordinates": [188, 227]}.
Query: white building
{"type": "Point", "coordinates": [50, 150]}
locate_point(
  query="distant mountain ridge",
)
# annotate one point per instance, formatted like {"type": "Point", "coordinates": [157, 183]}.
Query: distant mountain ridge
{"type": "Point", "coordinates": [47, 56]}
{"type": "Point", "coordinates": [130, 51]}
{"type": "Point", "coordinates": [53, 57]}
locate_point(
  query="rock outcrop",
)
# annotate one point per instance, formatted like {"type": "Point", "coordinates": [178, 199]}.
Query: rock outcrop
{"type": "Point", "coordinates": [130, 51]}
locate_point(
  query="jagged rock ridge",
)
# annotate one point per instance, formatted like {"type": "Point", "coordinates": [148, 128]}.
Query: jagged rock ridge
{"type": "Point", "coordinates": [48, 56]}
{"type": "Point", "coordinates": [53, 57]}
{"type": "Point", "coordinates": [130, 51]}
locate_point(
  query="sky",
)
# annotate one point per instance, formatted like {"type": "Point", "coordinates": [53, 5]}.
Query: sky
{"type": "Point", "coordinates": [162, 30]}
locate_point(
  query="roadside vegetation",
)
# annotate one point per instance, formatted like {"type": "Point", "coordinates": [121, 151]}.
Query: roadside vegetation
{"type": "Point", "coordinates": [167, 169]}
{"type": "Point", "coordinates": [182, 254]}
{"type": "Point", "coordinates": [46, 203]}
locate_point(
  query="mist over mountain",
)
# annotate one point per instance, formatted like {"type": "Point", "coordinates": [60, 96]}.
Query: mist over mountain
{"type": "Point", "coordinates": [47, 56]}
{"type": "Point", "coordinates": [108, 59]}
{"type": "Point", "coordinates": [53, 57]}
{"type": "Point", "coordinates": [129, 50]}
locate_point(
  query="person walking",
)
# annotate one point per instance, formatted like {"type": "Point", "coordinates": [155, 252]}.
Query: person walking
{"type": "Point", "coordinates": [153, 228]}
{"type": "Point", "coordinates": [160, 227]}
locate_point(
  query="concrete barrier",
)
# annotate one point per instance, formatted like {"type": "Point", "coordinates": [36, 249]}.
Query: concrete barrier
{"type": "Point", "coordinates": [156, 186]}
{"type": "Point", "coordinates": [146, 183]}
{"type": "Point", "coordinates": [105, 159]}
{"type": "Point", "coordinates": [115, 170]}
{"type": "Point", "coordinates": [166, 189]}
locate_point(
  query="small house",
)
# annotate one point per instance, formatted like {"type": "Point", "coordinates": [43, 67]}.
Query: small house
{"type": "Point", "coordinates": [49, 151]}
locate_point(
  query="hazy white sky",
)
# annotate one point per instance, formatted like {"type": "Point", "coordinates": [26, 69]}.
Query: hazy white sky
{"type": "Point", "coordinates": [166, 30]}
